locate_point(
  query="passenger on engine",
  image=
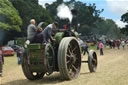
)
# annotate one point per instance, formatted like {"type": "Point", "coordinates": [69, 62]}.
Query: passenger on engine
{"type": "Point", "coordinates": [34, 34]}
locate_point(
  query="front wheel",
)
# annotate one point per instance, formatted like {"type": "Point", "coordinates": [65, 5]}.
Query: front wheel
{"type": "Point", "coordinates": [92, 61]}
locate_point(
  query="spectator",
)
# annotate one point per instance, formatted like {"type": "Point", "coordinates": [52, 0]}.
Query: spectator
{"type": "Point", "coordinates": [101, 46]}
{"type": "Point", "coordinates": [118, 44]}
{"type": "Point", "coordinates": [1, 63]}
{"type": "Point", "coordinates": [123, 43]}
{"type": "Point", "coordinates": [127, 43]}
{"type": "Point", "coordinates": [110, 43]}
{"type": "Point", "coordinates": [19, 54]}
{"type": "Point", "coordinates": [86, 48]}
{"type": "Point", "coordinates": [113, 43]}
{"type": "Point", "coordinates": [97, 45]}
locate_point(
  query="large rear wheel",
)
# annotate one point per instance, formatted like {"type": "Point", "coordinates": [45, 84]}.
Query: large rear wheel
{"type": "Point", "coordinates": [69, 58]}
{"type": "Point", "coordinates": [26, 68]}
{"type": "Point", "coordinates": [50, 58]}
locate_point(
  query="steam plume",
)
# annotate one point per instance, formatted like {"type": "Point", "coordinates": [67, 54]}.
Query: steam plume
{"type": "Point", "coordinates": [64, 12]}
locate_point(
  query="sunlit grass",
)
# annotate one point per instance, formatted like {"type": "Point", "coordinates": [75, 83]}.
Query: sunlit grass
{"type": "Point", "coordinates": [10, 62]}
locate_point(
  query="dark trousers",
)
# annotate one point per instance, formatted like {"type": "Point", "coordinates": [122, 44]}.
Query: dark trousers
{"type": "Point", "coordinates": [19, 59]}
{"type": "Point", "coordinates": [101, 51]}
{"type": "Point", "coordinates": [1, 67]}
{"type": "Point", "coordinates": [118, 46]}
{"type": "Point", "coordinates": [86, 50]}
{"type": "Point", "coordinates": [39, 38]}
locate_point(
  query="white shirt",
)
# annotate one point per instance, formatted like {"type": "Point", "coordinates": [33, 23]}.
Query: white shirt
{"type": "Point", "coordinates": [123, 43]}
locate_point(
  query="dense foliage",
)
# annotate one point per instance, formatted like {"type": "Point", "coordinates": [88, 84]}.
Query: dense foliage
{"type": "Point", "coordinates": [9, 21]}
{"type": "Point", "coordinates": [124, 18]}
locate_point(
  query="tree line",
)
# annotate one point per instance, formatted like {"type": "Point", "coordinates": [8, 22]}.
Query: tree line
{"type": "Point", "coordinates": [15, 16]}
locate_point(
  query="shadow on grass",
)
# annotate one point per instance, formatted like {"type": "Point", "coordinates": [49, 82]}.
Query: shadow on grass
{"type": "Point", "coordinates": [52, 79]}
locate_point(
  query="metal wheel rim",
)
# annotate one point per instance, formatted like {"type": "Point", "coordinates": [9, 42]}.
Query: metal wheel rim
{"type": "Point", "coordinates": [72, 61]}
{"type": "Point", "coordinates": [94, 61]}
{"type": "Point", "coordinates": [65, 58]}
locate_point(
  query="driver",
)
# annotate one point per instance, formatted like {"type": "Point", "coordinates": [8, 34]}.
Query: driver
{"type": "Point", "coordinates": [48, 31]}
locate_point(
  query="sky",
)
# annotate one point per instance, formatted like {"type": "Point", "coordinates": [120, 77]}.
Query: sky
{"type": "Point", "coordinates": [113, 9]}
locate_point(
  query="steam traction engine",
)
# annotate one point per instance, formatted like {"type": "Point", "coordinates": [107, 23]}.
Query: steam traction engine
{"type": "Point", "coordinates": [62, 55]}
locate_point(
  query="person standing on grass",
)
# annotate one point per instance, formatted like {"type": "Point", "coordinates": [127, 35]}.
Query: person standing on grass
{"type": "Point", "coordinates": [1, 63]}
{"type": "Point", "coordinates": [86, 48]}
{"type": "Point", "coordinates": [101, 46]}
{"type": "Point", "coordinates": [19, 53]}
{"type": "Point", "coordinates": [123, 43]}
{"type": "Point", "coordinates": [97, 45]}
{"type": "Point", "coordinates": [118, 44]}
{"type": "Point", "coordinates": [127, 43]}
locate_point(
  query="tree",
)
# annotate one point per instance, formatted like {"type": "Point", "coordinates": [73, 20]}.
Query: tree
{"type": "Point", "coordinates": [108, 28]}
{"type": "Point", "coordinates": [9, 21]}
{"type": "Point", "coordinates": [124, 18]}
{"type": "Point", "coordinates": [29, 9]}
{"type": "Point", "coordinates": [9, 18]}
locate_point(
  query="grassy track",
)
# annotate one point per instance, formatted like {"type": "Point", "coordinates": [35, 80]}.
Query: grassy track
{"type": "Point", "coordinates": [112, 70]}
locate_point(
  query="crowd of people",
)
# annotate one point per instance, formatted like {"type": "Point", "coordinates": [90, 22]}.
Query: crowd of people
{"type": "Point", "coordinates": [117, 43]}
{"type": "Point", "coordinates": [111, 44]}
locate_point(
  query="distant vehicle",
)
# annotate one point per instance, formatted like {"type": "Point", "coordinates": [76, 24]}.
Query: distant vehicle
{"type": "Point", "coordinates": [15, 47]}
{"type": "Point", "coordinates": [6, 51]}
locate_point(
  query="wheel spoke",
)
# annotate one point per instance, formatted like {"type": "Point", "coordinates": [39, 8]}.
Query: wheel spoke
{"type": "Point", "coordinates": [69, 67]}
{"type": "Point", "coordinates": [76, 70]}
{"type": "Point", "coordinates": [70, 48]}
{"type": "Point", "coordinates": [68, 58]}
{"type": "Point", "coordinates": [94, 60]}
{"type": "Point", "coordinates": [70, 51]}
{"type": "Point", "coordinates": [68, 55]}
{"type": "Point", "coordinates": [68, 61]}
{"type": "Point", "coordinates": [74, 49]}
